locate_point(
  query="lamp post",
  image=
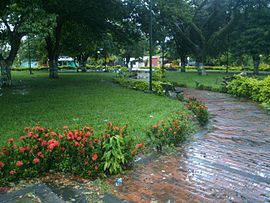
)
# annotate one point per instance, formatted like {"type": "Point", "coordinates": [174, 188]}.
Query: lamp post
{"type": "Point", "coordinates": [228, 44]}
{"type": "Point", "coordinates": [150, 45]}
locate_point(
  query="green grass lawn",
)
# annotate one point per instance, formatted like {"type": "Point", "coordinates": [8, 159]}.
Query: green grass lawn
{"type": "Point", "coordinates": [76, 100]}
{"type": "Point", "coordinates": [189, 78]}
{"type": "Point", "coordinates": [212, 79]}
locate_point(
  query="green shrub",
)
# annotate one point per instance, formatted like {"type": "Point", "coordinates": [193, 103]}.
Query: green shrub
{"type": "Point", "coordinates": [172, 131]}
{"type": "Point", "coordinates": [158, 75]}
{"type": "Point", "coordinates": [158, 86]}
{"type": "Point", "coordinates": [264, 67]}
{"type": "Point", "coordinates": [257, 90]}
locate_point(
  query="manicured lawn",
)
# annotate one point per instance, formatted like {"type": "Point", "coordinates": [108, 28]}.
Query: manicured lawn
{"type": "Point", "coordinates": [213, 78]}
{"type": "Point", "coordinates": [77, 100]}
{"type": "Point", "coordinates": [190, 78]}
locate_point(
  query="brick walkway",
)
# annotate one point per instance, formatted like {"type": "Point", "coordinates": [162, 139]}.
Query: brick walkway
{"type": "Point", "coordinates": [231, 163]}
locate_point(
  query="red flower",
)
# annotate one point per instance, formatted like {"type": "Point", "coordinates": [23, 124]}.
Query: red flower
{"type": "Point", "coordinates": [30, 134]}
{"type": "Point", "coordinates": [40, 154]}
{"type": "Point", "coordinates": [19, 163]}
{"type": "Point", "coordinates": [12, 172]}
{"type": "Point", "coordinates": [27, 148]}
{"type": "Point", "coordinates": [1, 164]}
{"type": "Point", "coordinates": [94, 157]}
{"type": "Point", "coordinates": [21, 149]}
{"type": "Point", "coordinates": [10, 140]}
{"type": "Point", "coordinates": [65, 127]}
{"type": "Point", "coordinates": [41, 129]}
{"type": "Point", "coordinates": [76, 144]}
{"type": "Point", "coordinates": [155, 126]}
{"type": "Point", "coordinates": [4, 150]}
{"type": "Point", "coordinates": [36, 160]}
{"type": "Point", "coordinates": [44, 142]}
{"type": "Point", "coordinates": [52, 144]}
{"type": "Point", "coordinates": [53, 133]}
{"type": "Point", "coordinates": [109, 124]}
{"type": "Point", "coordinates": [22, 138]}
{"type": "Point", "coordinates": [96, 140]}
{"type": "Point", "coordinates": [141, 145]}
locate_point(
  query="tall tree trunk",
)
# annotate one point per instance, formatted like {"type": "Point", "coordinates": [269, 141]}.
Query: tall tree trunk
{"type": "Point", "coordinates": [53, 49]}
{"type": "Point", "coordinates": [256, 64]}
{"type": "Point", "coordinates": [5, 73]}
{"type": "Point", "coordinates": [127, 62]}
{"type": "Point", "coordinates": [6, 63]}
{"type": "Point", "coordinates": [183, 63]}
{"type": "Point", "coordinates": [200, 65]}
{"type": "Point", "coordinates": [53, 68]}
{"type": "Point", "coordinates": [83, 62]}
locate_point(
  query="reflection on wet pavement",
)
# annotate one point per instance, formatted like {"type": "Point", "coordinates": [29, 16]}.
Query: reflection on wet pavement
{"type": "Point", "coordinates": [230, 163]}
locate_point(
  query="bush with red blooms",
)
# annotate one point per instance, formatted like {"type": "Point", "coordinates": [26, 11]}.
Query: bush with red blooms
{"type": "Point", "coordinates": [81, 152]}
{"type": "Point", "coordinates": [199, 109]}
{"type": "Point", "coordinates": [172, 131]}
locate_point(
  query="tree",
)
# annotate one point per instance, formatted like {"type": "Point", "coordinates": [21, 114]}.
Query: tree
{"type": "Point", "coordinates": [95, 14]}
{"type": "Point", "coordinates": [17, 18]}
{"type": "Point", "coordinates": [80, 42]}
{"type": "Point", "coordinates": [251, 33]}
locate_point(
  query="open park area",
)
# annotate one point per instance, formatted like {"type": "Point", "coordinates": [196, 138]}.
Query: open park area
{"type": "Point", "coordinates": [140, 101]}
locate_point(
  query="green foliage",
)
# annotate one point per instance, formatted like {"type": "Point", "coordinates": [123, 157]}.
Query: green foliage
{"type": "Point", "coordinates": [257, 90]}
{"type": "Point", "coordinates": [158, 86]}
{"type": "Point", "coordinates": [117, 148]}
{"type": "Point", "coordinates": [158, 75]}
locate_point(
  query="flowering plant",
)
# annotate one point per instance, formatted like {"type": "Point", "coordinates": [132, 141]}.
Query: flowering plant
{"type": "Point", "coordinates": [172, 131]}
{"type": "Point", "coordinates": [199, 109]}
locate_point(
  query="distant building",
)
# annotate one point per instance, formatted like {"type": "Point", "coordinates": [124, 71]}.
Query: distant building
{"type": "Point", "coordinates": [144, 62]}
{"type": "Point", "coordinates": [67, 61]}
{"type": "Point", "coordinates": [25, 64]}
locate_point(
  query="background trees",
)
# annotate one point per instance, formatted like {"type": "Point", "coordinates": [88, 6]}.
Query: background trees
{"type": "Point", "coordinates": [202, 29]}
{"type": "Point", "coordinates": [251, 32]}
{"type": "Point", "coordinates": [17, 19]}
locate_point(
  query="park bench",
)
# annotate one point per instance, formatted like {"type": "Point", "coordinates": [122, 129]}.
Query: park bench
{"type": "Point", "coordinates": [172, 90]}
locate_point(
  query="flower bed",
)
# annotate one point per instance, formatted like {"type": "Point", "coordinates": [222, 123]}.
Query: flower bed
{"type": "Point", "coordinates": [80, 152]}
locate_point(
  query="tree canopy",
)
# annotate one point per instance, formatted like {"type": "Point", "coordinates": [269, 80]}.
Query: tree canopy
{"type": "Point", "coordinates": [196, 28]}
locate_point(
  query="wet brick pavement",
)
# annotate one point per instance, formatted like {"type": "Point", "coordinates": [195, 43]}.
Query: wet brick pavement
{"type": "Point", "coordinates": [230, 163]}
